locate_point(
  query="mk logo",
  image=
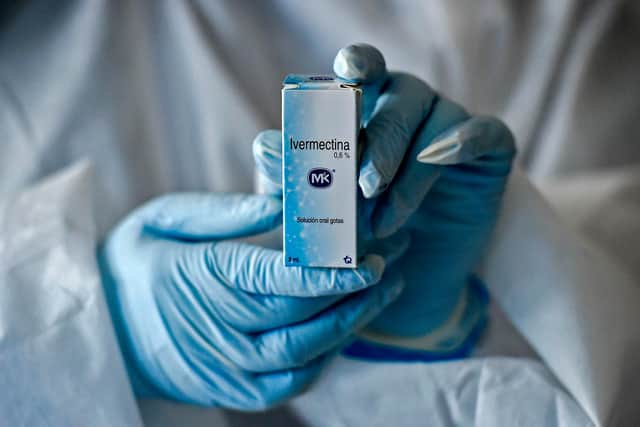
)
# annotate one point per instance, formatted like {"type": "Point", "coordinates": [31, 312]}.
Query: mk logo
{"type": "Point", "coordinates": [320, 177]}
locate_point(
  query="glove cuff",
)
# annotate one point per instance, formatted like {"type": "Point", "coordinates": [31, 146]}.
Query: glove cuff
{"type": "Point", "coordinates": [455, 339]}
{"type": "Point", "coordinates": [141, 387]}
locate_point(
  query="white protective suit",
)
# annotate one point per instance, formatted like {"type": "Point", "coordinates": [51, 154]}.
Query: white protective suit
{"type": "Point", "coordinates": [104, 104]}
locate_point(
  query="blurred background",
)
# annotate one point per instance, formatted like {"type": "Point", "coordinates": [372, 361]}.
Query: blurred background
{"type": "Point", "coordinates": [192, 82]}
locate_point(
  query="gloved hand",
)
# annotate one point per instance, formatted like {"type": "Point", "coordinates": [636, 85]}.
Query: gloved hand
{"type": "Point", "coordinates": [432, 170]}
{"type": "Point", "coordinates": [206, 320]}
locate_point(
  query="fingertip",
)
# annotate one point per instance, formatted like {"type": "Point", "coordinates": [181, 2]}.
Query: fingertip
{"type": "Point", "coordinates": [265, 209]}
{"type": "Point", "coordinates": [267, 145]}
{"type": "Point", "coordinates": [374, 265]}
{"type": "Point", "coordinates": [324, 281]}
{"type": "Point", "coordinates": [272, 208]}
{"type": "Point", "coordinates": [474, 138]}
{"type": "Point", "coordinates": [267, 155]}
{"type": "Point", "coordinates": [281, 385]}
{"type": "Point", "coordinates": [271, 203]}
{"type": "Point", "coordinates": [445, 150]}
{"type": "Point", "coordinates": [501, 132]}
{"type": "Point", "coordinates": [269, 135]}
{"type": "Point", "coordinates": [371, 181]}
{"type": "Point", "coordinates": [266, 185]}
{"type": "Point", "coordinates": [360, 63]}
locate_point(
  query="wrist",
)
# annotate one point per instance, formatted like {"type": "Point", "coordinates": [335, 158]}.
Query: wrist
{"type": "Point", "coordinates": [140, 385]}
{"type": "Point", "coordinates": [453, 338]}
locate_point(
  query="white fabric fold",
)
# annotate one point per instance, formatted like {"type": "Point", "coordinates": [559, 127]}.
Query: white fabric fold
{"type": "Point", "coordinates": [476, 392]}
{"type": "Point", "coordinates": [576, 306]}
{"type": "Point", "coordinates": [59, 360]}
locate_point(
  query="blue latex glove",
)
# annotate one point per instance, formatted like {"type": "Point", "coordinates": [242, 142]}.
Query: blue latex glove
{"type": "Point", "coordinates": [432, 170]}
{"type": "Point", "coordinates": [206, 320]}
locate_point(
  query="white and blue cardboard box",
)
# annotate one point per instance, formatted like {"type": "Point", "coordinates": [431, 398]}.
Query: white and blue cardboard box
{"type": "Point", "coordinates": [320, 126]}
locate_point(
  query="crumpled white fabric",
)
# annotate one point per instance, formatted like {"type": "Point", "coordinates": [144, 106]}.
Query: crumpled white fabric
{"type": "Point", "coordinates": [477, 392]}
{"type": "Point", "coordinates": [577, 307]}
{"type": "Point", "coordinates": [59, 360]}
{"type": "Point", "coordinates": [609, 217]}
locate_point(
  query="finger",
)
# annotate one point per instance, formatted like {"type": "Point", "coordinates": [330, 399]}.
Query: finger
{"type": "Point", "coordinates": [207, 350]}
{"type": "Point", "coordinates": [218, 353]}
{"type": "Point", "coordinates": [364, 64]}
{"type": "Point", "coordinates": [299, 343]}
{"type": "Point", "coordinates": [392, 248]}
{"type": "Point", "coordinates": [359, 63]}
{"type": "Point", "coordinates": [484, 144]}
{"type": "Point", "coordinates": [228, 387]}
{"type": "Point", "coordinates": [479, 140]}
{"type": "Point", "coordinates": [400, 110]}
{"type": "Point", "coordinates": [414, 179]}
{"type": "Point", "coordinates": [267, 154]}
{"type": "Point", "coordinates": [207, 216]}
{"type": "Point", "coordinates": [261, 271]}
{"type": "Point", "coordinates": [276, 387]}
{"type": "Point", "coordinates": [252, 313]}
{"type": "Point", "coordinates": [476, 171]}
